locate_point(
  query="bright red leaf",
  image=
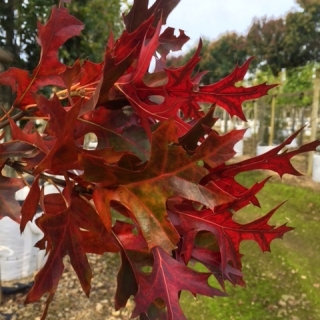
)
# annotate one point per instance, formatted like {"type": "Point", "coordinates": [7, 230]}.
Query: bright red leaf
{"type": "Point", "coordinates": [229, 233]}
{"type": "Point", "coordinates": [60, 27]}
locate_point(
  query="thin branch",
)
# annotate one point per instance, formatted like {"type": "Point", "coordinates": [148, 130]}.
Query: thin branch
{"type": "Point", "coordinates": [6, 113]}
{"type": "Point", "coordinates": [17, 166]}
{"type": "Point", "coordinates": [18, 117]}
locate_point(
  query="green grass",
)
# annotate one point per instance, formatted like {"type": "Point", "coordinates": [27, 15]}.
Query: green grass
{"type": "Point", "coordinates": [283, 284]}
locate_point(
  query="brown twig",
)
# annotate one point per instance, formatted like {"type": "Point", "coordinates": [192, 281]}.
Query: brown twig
{"type": "Point", "coordinates": [18, 116]}
{"type": "Point", "coordinates": [17, 166]}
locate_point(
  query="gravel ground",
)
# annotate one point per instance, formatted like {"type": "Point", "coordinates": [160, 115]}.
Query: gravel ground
{"type": "Point", "coordinates": [70, 302]}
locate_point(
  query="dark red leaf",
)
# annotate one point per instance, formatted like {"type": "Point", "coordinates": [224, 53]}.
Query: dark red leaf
{"type": "Point", "coordinates": [170, 172]}
{"type": "Point", "coordinates": [64, 154]}
{"type": "Point", "coordinates": [170, 42]}
{"type": "Point", "coordinates": [64, 225]}
{"type": "Point", "coordinates": [140, 12]}
{"type": "Point", "coordinates": [9, 206]}
{"type": "Point", "coordinates": [212, 260]}
{"type": "Point", "coordinates": [134, 255]}
{"type": "Point", "coordinates": [28, 135]}
{"type": "Point", "coordinates": [166, 277]}
{"type": "Point", "coordinates": [71, 75]}
{"type": "Point", "coordinates": [30, 204]}
{"type": "Point", "coordinates": [17, 148]}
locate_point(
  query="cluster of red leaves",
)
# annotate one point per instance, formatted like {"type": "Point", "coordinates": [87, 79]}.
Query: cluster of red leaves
{"type": "Point", "coordinates": [157, 189]}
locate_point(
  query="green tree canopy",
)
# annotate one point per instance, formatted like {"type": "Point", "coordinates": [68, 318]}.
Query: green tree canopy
{"type": "Point", "coordinates": [98, 27]}
{"type": "Point", "coordinates": [265, 41]}
{"type": "Point", "coordinates": [220, 56]}
{"type": "Point", "coordinates": [18, 20]}
{"type": "Point", "coordinates": [289, 42]}
{"type": "Point", "coordinates": [298, 81]}
{"type": "Point", "coordinates": [302, 38]}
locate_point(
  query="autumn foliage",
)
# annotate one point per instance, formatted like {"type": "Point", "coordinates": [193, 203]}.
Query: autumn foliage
{"type": "Point", "coordinates": [158, 189]}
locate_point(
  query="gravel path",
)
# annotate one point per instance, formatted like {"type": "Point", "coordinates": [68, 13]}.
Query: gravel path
{"type": "Point", "coordinates": [70, 302]}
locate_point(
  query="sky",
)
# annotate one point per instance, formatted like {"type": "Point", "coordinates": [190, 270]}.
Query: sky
{"type": "Point", "coordinates": [211, 18]}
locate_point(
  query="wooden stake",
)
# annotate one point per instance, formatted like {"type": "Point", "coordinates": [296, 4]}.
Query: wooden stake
{"type": "Point", "coordinates": [272, 120]}
{"type": "Point", "coordinates": [314, 117]}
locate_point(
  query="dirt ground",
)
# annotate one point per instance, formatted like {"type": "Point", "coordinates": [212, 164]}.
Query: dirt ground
{"type": "Point", "coordinates": [70, 302]}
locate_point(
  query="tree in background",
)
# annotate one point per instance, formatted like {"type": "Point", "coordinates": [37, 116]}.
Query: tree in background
{"type": "Point", "coordinates": [284, 43]}
{"type": "Point", "coordinates": [298, 79]}
{"type": "Point", "coordinates": [221, 55]}
{"type": "Point", "coordinates": [98, 27]}
{"type": "Point", "coordinates": [285, 46]}
{"type": "Point", "coordinates": [297, 95]}
{"type": "Point", "coordinates": [302, 37]}
{"type": "Point", "coordinates": [265, 41]}
{"type": "Point", "coordinates": [289, 42]}
{"type": "Point", "coordinates": [18, 35]}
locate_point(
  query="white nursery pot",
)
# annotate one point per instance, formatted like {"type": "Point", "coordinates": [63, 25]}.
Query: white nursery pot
{"type": "Point", "coordinates": [238, 148]}
{"type": "Point", "coordinates": [316, 168]}
{"type": "Point", "coordinates": [25, 258]}
{"type": "Point", "coordinates": [248, 134]}
{"type": "Point", "coordinates": [264, 149]}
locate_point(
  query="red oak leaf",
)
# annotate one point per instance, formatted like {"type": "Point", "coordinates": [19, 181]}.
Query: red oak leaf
{"type": "Point", "coordinates": [242, 196]}
{"type": "Point", "coordinates": [60, 27]}
{"type": "Point", "coordinates": [140, 12]}
{"type": "Point", "coordinates": [68, 222]}
{"type": "Point", "coordinates": [223, 93]}
{"type": "Point", "coordinates": [170, 42]}
{"type": "Point", "coordinates": [212, 260]}
{"type": "Point", "coordinates": [9, 206]}
{"type": "Point", "coordinates": [170, 172]}
{"type": "Point", "coordinates": [166, 277]}
{"type": "Point", "coordinates": [162, 95]}
{"type": "Point", "coordinates": [116, 61]}
{"type": "Point", "coordinates": [90, 72]}
{"type": "Point", "coordinates": [229, 233]}
{"type": "Point", "coordinates": [71, 75]}
{"type": "Point", "coordinates": [28, 135]}
{"type": "Point", "coordinates": [64, 154]}
{"type": "Point", "coordinates": [16, 148]}
{"type": "Point", "coordinates": [134, 256]}
{"type": "Point", "coordinates": [114, 131]}
{"type": "Point", "coordinates": [271, 160]}
{"type": "Point", "coordinates": [30, 205]}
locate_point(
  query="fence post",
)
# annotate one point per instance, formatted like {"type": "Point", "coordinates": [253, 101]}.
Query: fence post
{"type": "Point", "coordinates": [272, 120]}
{"type": "Point", "coordinates": [314, 117]}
